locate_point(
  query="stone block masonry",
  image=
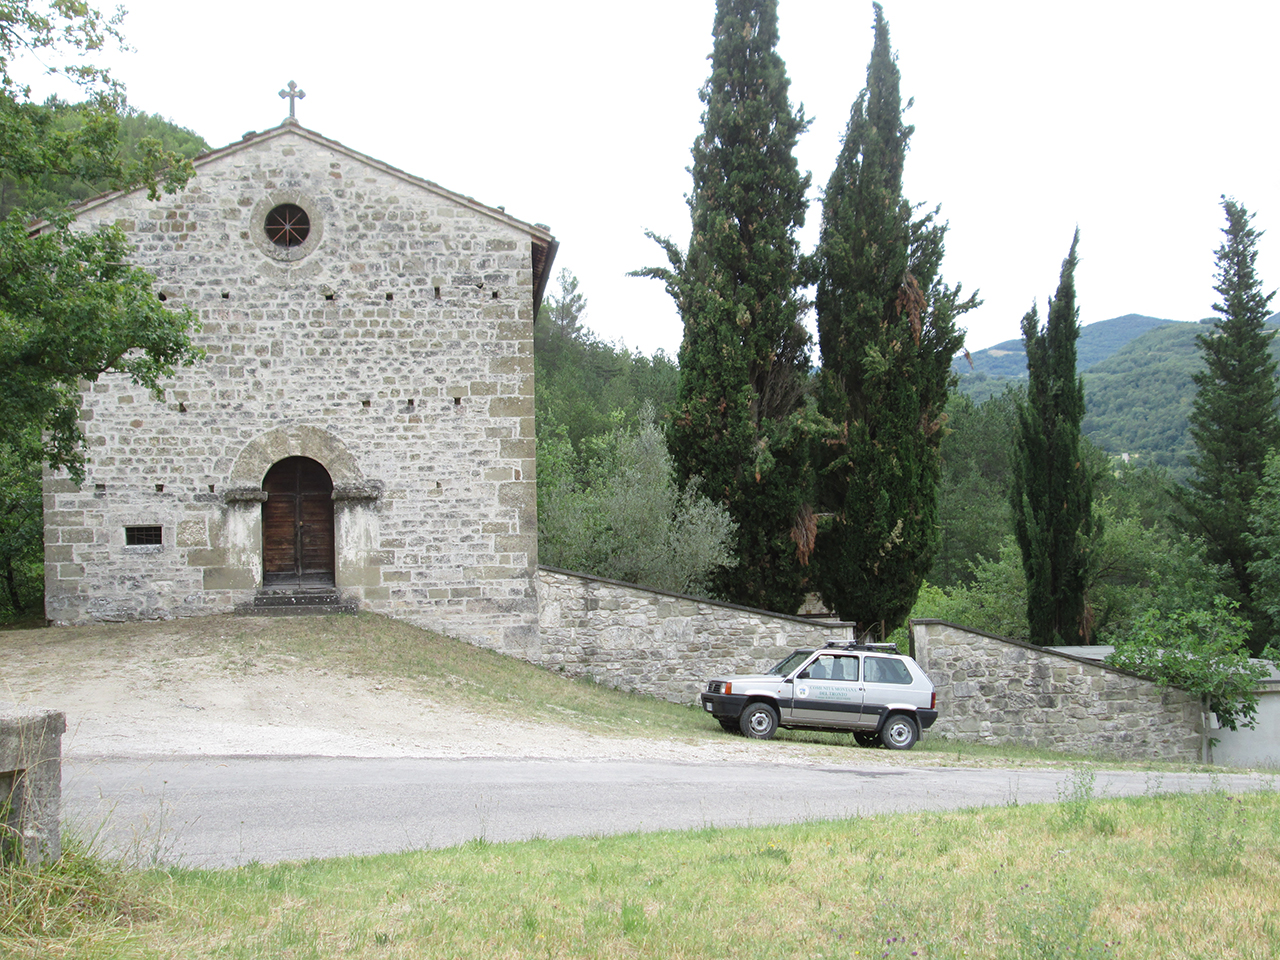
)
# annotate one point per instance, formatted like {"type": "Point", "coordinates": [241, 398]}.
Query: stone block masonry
{"type": "Point", "coordinates": [658, 643]}
{"type": "Point", "coordinates": [996, 691]}
{"type": "Point", "coordinates": [394, 346]}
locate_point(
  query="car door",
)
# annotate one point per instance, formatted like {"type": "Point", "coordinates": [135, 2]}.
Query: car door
{"type": "Point", "coordinates": [827, 692]}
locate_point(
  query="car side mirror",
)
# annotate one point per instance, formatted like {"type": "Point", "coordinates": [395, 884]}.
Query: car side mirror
{"type": "Point", "coordinates": [802, 675]}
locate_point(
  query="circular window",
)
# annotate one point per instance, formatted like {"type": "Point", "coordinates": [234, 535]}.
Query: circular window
{"type": "Point", "coordinates": [288, 225]}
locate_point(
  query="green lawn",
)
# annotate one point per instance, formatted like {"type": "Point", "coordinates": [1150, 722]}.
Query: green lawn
{"type": "Point", "coordinates": [1151, 877]}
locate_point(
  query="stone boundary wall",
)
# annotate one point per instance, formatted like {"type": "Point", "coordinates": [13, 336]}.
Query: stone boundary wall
{"type": "Point", "coordinates": [990, 690]}
{"type": "Point", "coordinates": [993, 690]}
{"type": "Point", "coordinates": [658, 643]}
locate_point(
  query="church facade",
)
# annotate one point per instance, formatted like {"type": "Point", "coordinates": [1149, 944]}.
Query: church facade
{"type": "Point", "coordinates": [362, 419]}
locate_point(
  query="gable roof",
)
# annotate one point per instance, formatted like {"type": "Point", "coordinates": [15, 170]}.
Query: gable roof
{"type": "Point", "coordinates": [544, 244]}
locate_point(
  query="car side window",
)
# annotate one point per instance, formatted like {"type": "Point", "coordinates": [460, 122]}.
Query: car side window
{"type": "Point", "coordinates": [828, 667]}
{"type": "Point", "coordinates": [846, 668]}
{"type": "Point", "coordinates": [884, 670]}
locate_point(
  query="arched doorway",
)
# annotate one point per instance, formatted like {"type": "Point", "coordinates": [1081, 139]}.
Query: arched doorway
{"type": "Point", "coordinates": [297, 524]}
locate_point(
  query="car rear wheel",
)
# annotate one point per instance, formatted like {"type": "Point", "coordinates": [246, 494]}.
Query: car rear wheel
{"type": "Point", "coordinates": [759, 721]}
{"type": "Point", "coordinates": [899, 732]}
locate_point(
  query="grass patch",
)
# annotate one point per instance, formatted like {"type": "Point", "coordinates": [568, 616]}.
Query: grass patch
{"type": "Point", "coordinates": [81, 900]}
{"type": "Point", "coordinates": [1152, 877]}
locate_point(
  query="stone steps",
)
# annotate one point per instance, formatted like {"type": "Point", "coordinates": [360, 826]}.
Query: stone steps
{"type": "Point", "coordinates": [297, 602]}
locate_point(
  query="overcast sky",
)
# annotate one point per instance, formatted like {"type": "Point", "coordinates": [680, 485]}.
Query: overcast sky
{"type": "Point", "coordinates": [1127, 118]}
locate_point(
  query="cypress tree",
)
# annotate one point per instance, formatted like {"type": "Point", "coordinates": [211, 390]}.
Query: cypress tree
{"type": "Point", "coordinates": [744, 358]}
{"type": "Point", "coordinates": [1052, 490]}
{"type": "Point", "coordinates": [1233, 419]}
{"type": "Point", "coordinates": [887, 333]}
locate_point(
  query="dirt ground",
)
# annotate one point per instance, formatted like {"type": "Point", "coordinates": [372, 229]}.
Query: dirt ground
{"type": "Point", "coordinates": [170, 694]}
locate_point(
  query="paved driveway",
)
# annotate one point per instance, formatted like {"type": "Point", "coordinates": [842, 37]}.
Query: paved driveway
{"type": "Point", "coordinates": [221, 812]}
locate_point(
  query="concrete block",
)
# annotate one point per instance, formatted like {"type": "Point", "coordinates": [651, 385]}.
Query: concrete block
{"type": "Point", "coordinates": [31, 785]}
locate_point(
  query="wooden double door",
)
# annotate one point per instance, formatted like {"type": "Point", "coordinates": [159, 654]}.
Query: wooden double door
{"type": "Point", "coordinates": [297, 524]}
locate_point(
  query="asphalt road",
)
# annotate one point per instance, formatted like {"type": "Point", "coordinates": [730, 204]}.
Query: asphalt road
{"type": "Point", "coordinates": [223, 812]}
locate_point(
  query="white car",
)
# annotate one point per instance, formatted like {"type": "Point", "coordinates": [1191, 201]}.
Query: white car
{"type": "Point", "coordinates": [871, 690]}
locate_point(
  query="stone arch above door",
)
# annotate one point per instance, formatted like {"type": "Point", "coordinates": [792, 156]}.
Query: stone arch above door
{"type": "Point", "coordinates": [315, 443]}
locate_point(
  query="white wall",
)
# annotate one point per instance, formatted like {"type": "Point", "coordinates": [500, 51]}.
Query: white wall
{"type": "Point", "coordinates": [1259, 746]}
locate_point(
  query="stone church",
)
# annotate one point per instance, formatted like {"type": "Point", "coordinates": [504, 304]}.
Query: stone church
{"type": "Point", "coordinates": [360, 430]}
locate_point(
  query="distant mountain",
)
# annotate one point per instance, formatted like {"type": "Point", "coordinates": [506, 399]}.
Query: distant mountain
{"type": "Point", "coordinates": [1097, 342]}
{"type": "Point", "coordinates": [997, 367]}
{"type": "Point", "coordinates": [1138, 390]}
{"type": "Point", "coordinates": [1137, 400]}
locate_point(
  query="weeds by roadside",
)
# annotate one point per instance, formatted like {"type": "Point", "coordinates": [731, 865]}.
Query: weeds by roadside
{"type": "Point", "coordinates": [82, 897]}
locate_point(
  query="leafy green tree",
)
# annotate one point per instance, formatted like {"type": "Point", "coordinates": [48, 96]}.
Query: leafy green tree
{"type": "Point", "coordinates": [744, 359]}
{"type": "Point", "coordinates": [629, 521]}
{"type": "Point", "coordinates": [567, 308]}
{"type": "Point", "coordinates": [1203, 652]}
{"type": "Point", "coordinates": [71, 306]}
{"type": "Point", "coordinates": [1233, 420]}
{"type": "Point", "coordinates": [53, 190]}
{"type": "Point", "coordinates": [21, 527]}
{"type": "Point", "coordinates": [994, 601]}
{"type": "Point", "coordinates": [973, 499]}
{"type": "Point", "coordinates": [887, 331]}
{"type": "Point", "coordinates": [74, 309]}
{"type": "Point", "coordinates": [583, 384]}
{"type": "Point", "coordinates": [1052, 492]}
{"type": "Point", "coordinates": [1264, 540]}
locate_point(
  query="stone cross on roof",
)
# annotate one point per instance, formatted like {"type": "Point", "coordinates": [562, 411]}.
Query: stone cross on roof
{"type": "Point", "coordinates": [294, 94]}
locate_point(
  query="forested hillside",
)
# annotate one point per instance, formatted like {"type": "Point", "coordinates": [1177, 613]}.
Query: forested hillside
{"type": "Point", "coordinates": [608, 502]}
{"type": "Point", "coordinates": [53, 190]}
{"type": "Point", "coordinates": [586, 388]}
{"type": "Point", "coordinates": [1138, 390]}
{"type": "Point", "coordinates": [1138, 399]}
{"type": "Point", "coordinates": [1097, 342]}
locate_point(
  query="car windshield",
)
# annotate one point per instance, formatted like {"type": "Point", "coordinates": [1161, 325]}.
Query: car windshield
{"type": "Point", "coordinates": [790, 664]}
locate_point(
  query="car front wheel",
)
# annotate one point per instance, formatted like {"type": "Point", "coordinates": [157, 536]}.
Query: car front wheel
{"type": "Point", "coordinates": [759, 721]}
{"type": "Point", "coordinates": [899, 733]}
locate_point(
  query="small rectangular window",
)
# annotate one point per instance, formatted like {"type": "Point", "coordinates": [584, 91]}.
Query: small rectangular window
{"type": "Point", "coordinates": [143, 536]}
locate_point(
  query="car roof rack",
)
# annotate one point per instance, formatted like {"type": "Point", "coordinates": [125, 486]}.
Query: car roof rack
{"type": "Point", "coordinates": [859, 645]}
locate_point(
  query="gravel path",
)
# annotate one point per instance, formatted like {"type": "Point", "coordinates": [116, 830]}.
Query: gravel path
{"type": "Point", "coordinates": [163, 696]}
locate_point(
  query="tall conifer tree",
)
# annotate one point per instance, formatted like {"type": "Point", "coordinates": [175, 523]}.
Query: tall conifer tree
{"type": "Point", "coordinates": [744, 360]}
{"type": "Point", "coordinates": [1233, 420]}
{"type": "Point", "coordinates": [887, 331]}
{"type": "Point", "coordinates": [1052, 490]}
